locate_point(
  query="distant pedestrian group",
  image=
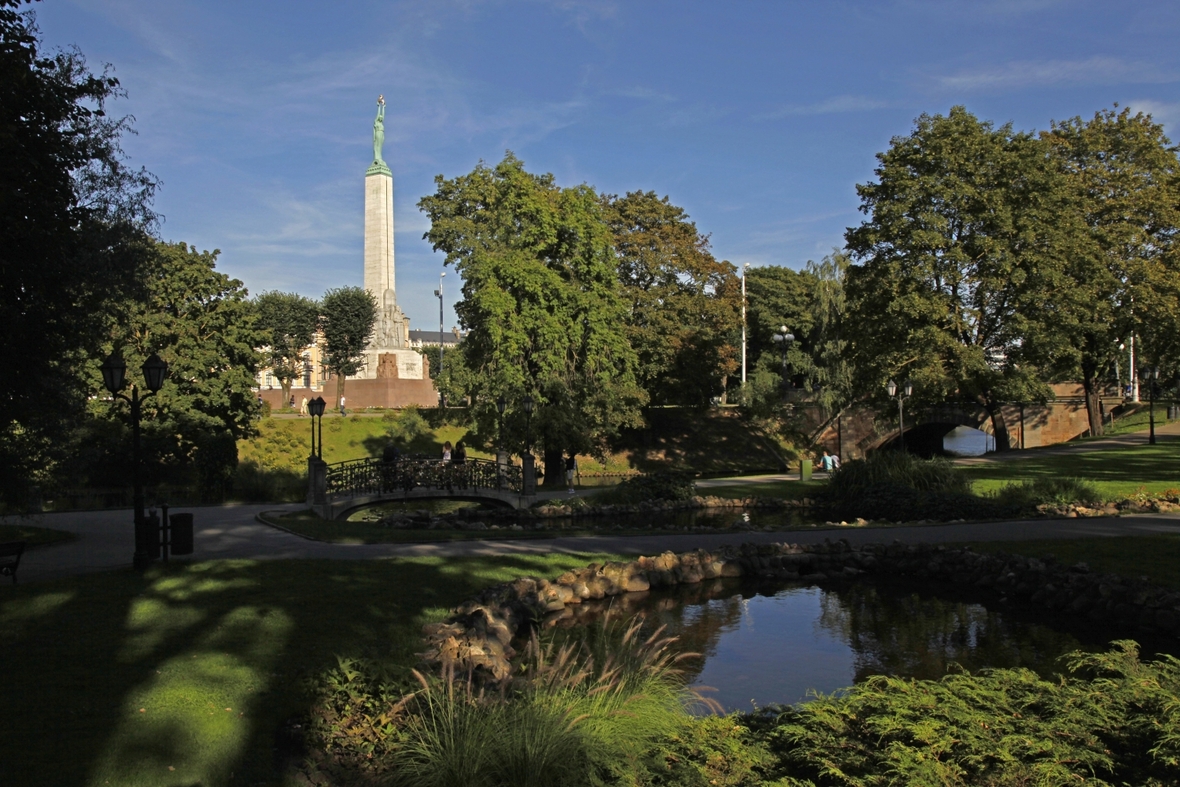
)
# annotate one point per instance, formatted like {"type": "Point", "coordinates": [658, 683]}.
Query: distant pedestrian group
{"type": "Point", "coordinates": [829, 462]}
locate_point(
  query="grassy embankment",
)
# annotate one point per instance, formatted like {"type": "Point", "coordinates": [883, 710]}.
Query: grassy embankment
{"type": "Point", "coordinates": [34, 536]}
{"type": "Point", "coordinates": [193, 674]}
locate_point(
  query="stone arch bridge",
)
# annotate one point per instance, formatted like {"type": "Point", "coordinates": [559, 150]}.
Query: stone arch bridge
{"type": "Point", "coordinates": [337, 489]}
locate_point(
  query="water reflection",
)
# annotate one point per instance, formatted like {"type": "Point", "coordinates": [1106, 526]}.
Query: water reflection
{"type": "Point", "coordinates": [773, 644]}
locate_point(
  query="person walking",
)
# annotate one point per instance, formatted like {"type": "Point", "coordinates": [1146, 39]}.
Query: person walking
{"type": "Point", "coordinates": [343, 412]}
{"type": "Point", "coordinates": [303, 407]}
{"type": "Point", "coordinates": [571, 468]}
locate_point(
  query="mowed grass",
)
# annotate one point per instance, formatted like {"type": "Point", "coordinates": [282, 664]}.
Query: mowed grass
{"type": "Point", "coordinates": [1154, 557]}
{"type": "Point", "coordinates": [192, 674]}
{"type": "Point", "coordinates": [34, 536]}
{"type": "Point", "coordinates": [1115, 472]}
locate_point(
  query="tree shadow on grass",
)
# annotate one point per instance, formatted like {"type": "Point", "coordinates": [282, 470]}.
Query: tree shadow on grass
{"type": "Point", "coordinates": [215, 654]}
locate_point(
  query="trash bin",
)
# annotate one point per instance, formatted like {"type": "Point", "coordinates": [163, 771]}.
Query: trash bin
{"type": "Point", "coordinates": [805, 470]}
{"type": "Point", "coordinates": [182, 534]}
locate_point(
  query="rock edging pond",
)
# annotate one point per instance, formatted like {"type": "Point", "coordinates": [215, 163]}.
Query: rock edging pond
{"type": "Point", "coordinates": [478, 635]}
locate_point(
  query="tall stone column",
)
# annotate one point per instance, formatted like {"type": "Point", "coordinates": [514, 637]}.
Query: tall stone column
{"type": "Point", "coordinates": [379, 265]}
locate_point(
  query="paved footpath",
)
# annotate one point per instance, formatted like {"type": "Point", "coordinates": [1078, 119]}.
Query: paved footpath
{"type": "Point", "coordinates": [106, 542]}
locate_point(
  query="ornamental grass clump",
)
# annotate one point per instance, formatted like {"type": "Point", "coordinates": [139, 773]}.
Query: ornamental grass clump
{"type": "Point", "coordinates": [582, 712]}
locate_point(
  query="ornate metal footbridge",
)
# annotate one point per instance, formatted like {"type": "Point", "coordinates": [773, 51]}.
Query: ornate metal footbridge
{"type": "Point", "coordinates": [336, 489]}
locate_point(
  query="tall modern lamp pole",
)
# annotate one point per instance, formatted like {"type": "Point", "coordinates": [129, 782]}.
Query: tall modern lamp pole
{"type": "Point", "coordinates": [784, 339]}
{"type": "Point", "coordinates": [114, 377]}
{"type": "Point", "coordinates": [1153, 374]}
{"type": "Point", "coordinates": [439, 293]}
{"type": "Point", "coordinates": [908, 390]}
{"type": "Point", "coordinates": [745, 268]}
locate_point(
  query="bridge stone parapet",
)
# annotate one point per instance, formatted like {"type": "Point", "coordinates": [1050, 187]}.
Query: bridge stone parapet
{"type": "Point", "coordinates": [339, 488]}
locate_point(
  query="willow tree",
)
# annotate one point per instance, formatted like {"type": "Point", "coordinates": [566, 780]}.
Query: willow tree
{"type": "Point", "coordinates": [541, 303]}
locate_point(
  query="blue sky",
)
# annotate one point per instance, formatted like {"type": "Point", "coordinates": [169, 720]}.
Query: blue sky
{"type": "Point", "coordinates": [759, 118]}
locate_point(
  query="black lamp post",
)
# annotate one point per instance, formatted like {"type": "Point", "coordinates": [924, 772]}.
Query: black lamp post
{"type": "Point", "coordinates": [908, 390]}
{"type": "Point", "coordinates": [784, 339]}
{"type": "Point", "coordinates": [1152, 375]}
{"type": "Point", "coordinates": [528, 434]}
{"type": "Point", "coordinates": [114, 377]}
{"type": "Point", "coordinates": [315, 409]}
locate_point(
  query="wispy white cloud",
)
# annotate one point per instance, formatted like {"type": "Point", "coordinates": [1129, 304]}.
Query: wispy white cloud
{"type": "Point", "coordinates": [643, 94]}
{"type": "Point", "coordinates": [835, 104]}
{"type": "Point", "coordinates": [1098, 70]}
{"type": "Point", "coordinates": [1164, 113]}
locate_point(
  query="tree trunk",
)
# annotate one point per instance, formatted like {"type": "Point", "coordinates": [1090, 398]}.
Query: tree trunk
{"type": "Point", "coordinates": [999, 428]}
{"type": "Point", "coordinates": [286, 386]}
{"type": "Point", "coordinates": [1093, 405]}
{"type": "Point", "coordinates": [339, 389]}
{"type": "Point", "coordinates": [554, 467]}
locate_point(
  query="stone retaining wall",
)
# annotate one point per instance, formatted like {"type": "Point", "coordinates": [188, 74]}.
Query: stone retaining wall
{"type": "Point", "coordinates": [479, 633]}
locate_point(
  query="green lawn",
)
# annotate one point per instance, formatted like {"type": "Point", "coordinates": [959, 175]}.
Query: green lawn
{"type": "Point", "coordinates": [189, 675]}
{"type": "Point", "coordinates": [1155, 557]}
{"type": "Point", "coordinates": [35, 536]}
{"type": "Point", "coordinates": [1116, 472]}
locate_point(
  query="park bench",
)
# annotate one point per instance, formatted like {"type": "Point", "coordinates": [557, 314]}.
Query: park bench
{"type": "Point", "coordinates": [10, 553]}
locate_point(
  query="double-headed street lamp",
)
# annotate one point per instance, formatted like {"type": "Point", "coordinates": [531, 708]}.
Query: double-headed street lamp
{"type": "Point", "coordinates": [783, 338]}
{"type": "Point", "coordinates": [745, 270]}
{"type": "Point", "coordinates": [114, 377]}
{"type": "Point", "coordinates": [908, 390]}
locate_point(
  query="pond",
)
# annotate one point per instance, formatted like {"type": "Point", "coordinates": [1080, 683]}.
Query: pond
{"type": "Point", "coordinates": [764, 644]}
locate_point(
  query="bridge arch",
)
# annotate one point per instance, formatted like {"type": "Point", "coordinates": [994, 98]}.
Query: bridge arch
{"type": "Point", "coordinates": [341, 488]}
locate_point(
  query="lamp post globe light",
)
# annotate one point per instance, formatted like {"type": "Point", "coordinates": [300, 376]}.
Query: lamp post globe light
{"type": "Point", "coordinates": [114, 378]}
{"type": "Point", "coordinates": [905, 393]}
{"type": "Point", "coordinates": [784, 338]}
{"type": "Point", "coordinates": [315, 408]}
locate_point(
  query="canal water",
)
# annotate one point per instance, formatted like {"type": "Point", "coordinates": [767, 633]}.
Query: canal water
{"type": "Point", "coordinates": [764, 644]}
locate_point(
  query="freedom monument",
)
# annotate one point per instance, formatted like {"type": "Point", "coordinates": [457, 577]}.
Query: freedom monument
{"type": "Point", "coordinates": [394, 375]}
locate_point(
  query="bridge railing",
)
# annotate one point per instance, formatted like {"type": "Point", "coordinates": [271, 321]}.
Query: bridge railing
{"type": "Point", "coordinates": [377, 477]}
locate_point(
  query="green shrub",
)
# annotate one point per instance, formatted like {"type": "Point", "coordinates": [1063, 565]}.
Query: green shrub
{"type": "Point", "coordinates": [1111, 720]}
{"type": "Point", "coordinates": [654, 486]}
{"type": "Point", "coordinates": [898, 486]}
{"type": "Point", "coordinates": [1026, 496]}
{"type": "Point", "coordinates": [253, 483]}
{"type": "Point", "coordinates": [404, 427]}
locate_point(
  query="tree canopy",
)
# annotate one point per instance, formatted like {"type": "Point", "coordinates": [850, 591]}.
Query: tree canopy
{"type": "Point", "coordinates": [1122, 269]}
{"type": "Point", "coordinates": [682, 303]}
{"type": "Point", "coordinates": [955, 260]}
{"type": "Point", "coordinates": [541, 302]}
{"type": "Point", "coordinates": [199, 321]}
{"type": "Point", "coordinates": [289, 322]}
{"type": "Point", "coordinates": [349, 314]}
{"type": "Point", "coordinates": [74, 220]}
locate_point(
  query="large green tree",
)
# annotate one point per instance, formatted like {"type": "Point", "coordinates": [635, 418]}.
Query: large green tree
{"type": "Point", "coordinates": [776, 296]}
{"type": "Point", "coordinates": [682, 304]}
{"type": "Point", "coordinates": [958, 252]}
{"type": "Point", "coordinates": [348, 317]}
{"type": "Point", "coordinates": [1122, 273]}
{"type": "Point", "coordinates": [289, 321]}
{"type": "Point", "coordinates": [541, 303]}
{"type": "Point", "coordinates": [74, 220]}
{"type": "Point", "coordinates": [200, 322]}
